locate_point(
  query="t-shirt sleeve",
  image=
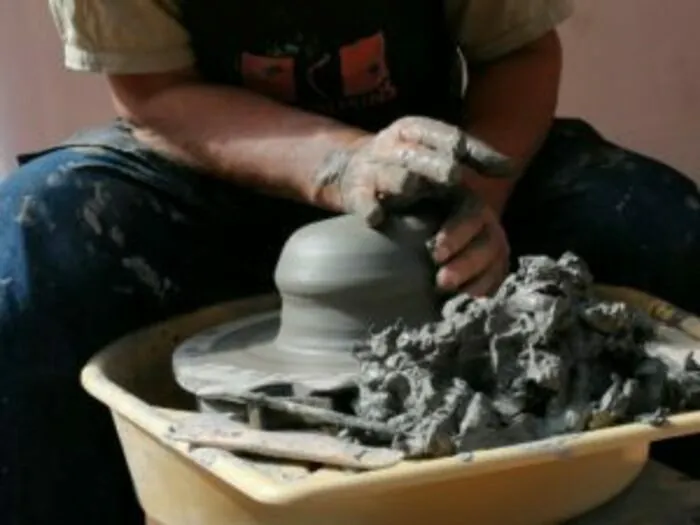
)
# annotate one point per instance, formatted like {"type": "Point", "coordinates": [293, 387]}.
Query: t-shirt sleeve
{"type": "Point", "coordinates": [121, 36]}
{"type": "Point", "coordinates": [488, 29]}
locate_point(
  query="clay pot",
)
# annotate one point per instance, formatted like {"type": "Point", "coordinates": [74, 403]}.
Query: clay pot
{"type": "Point", "coordinates": [338, 278]}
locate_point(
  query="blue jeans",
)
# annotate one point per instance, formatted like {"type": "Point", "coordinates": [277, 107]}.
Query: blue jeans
{"type": "Point", "coordinates": [96, 242]}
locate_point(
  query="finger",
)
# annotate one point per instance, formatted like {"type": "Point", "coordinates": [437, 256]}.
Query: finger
{"type": "Point", "coordinates": [395, 180]}
{"type": "Point", "coordinates": [362, 202]}
{"type": "Point", "coordinates": [452, 239]}
{"type": "Point", "coordinates": [430, 133]}
{"type": "Point", "coordinates": [467, 265]}
{"type": "Point", "coordinates": [459, 230]}
{"type": "Point", "coordinates": [483, 158]}
{"type": "Point", "coordinates": [489, 281]}
{"type": "Point", "coordinates": [432, 165]}
{"type": "Point", "coordinates": [483, 285]}
{"type": "Point", "coordinates": [452, 140]}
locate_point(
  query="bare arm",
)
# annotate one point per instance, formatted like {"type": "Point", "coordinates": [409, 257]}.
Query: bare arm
{"type": "Point", "coordinates": [510, 104]}
{"type": "Point", "coordinates": [233, 133]}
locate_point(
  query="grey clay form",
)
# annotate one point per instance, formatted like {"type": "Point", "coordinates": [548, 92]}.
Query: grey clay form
{"type": "Point", "coordinates": [338, 280]}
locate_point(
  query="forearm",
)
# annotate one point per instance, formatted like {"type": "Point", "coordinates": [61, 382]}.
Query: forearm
{"type": "Point", "coordinates": [234, 134]}
{"type": "Point", "coordinates": [510, 104]}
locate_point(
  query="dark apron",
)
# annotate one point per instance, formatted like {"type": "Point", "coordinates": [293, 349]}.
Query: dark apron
{"type": "Point", "coordinates": [366, 62]}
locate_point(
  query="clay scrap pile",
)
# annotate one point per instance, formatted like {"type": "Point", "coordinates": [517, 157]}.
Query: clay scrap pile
{"type": "Point", "coordinates": [542, 357]}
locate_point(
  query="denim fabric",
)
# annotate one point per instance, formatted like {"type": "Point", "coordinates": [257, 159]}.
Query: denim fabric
{"type": "Point", "coordinates": [96, 242]}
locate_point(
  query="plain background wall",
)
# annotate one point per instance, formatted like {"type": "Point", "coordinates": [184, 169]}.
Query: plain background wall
{"type": "Point", "coordinates": [39, 101]}
{"type": "Point", "coordinates": [631, 68]}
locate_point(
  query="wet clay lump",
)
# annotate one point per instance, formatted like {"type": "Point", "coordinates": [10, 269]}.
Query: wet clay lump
{"type": "Point", "coordinates": [543, 357]}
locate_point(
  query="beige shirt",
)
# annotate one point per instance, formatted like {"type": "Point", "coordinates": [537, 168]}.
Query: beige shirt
{"type": "Point", "coordinates": [145, 36]}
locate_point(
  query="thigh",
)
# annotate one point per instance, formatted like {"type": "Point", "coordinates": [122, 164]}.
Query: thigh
{"type": "Point", "coordinates": [636, 221]}
{"type": "Point", "coordinates": [84, 239]}
{"type": "Point", "coordinates": [89, 253]}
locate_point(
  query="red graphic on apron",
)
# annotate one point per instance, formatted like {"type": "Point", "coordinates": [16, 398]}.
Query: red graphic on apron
{"type": "Point", "coordinates": [270, 76]}
{"type": "Point", "coordinates": [363, 66]}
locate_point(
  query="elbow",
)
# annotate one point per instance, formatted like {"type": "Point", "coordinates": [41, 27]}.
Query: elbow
{"type": "Point", "coordinates": [135, 97]}
{"type": "Point", "coordinates": [544, 59]}
{"type": "Point", "coordinates": [546, 51]}
{"type": "Point", "coordinates": [549, 47]}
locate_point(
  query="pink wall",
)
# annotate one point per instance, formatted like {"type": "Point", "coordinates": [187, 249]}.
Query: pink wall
{"type": "Point", "coordinates": [631, 67]}
{"type": "Point", "coordinates": [39, 102]}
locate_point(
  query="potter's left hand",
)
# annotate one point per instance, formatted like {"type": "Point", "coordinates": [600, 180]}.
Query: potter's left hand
{"type": "Point", "coordinates": [471, 250]}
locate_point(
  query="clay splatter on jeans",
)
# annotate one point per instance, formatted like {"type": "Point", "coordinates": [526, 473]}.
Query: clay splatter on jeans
{"type": "Point", "coordinates": [148, 276]}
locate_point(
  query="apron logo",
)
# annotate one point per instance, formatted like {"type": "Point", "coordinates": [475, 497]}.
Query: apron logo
{"type": "Point", "coordinates": [270, 76]}
{"type": "Point", "coordinates": [363, 67]}
{"type": "Point", "coordinates": [361, 70]}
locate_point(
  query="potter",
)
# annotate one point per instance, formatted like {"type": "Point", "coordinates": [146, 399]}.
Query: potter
{"type": "Point", "coordinates": [242, 122]}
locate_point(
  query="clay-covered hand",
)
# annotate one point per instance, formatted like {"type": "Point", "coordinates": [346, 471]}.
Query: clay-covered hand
{"type": "Point", "coordinates": [397, 162]}
{"type": "Point", "coordinates": [471, 250]}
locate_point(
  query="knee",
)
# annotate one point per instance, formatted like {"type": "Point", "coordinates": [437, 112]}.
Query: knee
{"type": "Point", "coordinates": [584, 174]}
{"type": "Point", "coordinates": [75, 201]}
{"type": "Point", "coordinates": [637, 206]}
{"type": "Point", "coordinates": [635, 220]}
{"type": "Point", "coordinates": [639, 196]}
{"type": "Point", "coordinates": [60, 244]}
{"type": "Point", "coordinates": [49, 211]}
{"type": "Point", "coordinates": [39, 194]}
{"type": "Point", "coordinates": [573, 128]}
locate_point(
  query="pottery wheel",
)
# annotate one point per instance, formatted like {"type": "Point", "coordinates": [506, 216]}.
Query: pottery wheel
{"type": "Point", "coordinates": [243, 355]}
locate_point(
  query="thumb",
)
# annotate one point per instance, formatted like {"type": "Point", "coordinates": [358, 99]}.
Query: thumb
{"type": "Point", "coordinates": [478, 155]}
{"type": "Point", "coordinates": [362, 202]}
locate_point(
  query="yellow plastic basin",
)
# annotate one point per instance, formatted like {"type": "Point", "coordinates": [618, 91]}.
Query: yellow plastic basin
{"type": "Point", "coordinates": [539, 483]}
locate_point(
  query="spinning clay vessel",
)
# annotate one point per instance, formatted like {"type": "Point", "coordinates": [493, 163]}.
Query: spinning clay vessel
{"type": "Point", "coordinates": [338, 280]}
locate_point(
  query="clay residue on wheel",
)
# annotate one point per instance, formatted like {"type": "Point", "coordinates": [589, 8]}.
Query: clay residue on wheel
{"type": "Point", "coordinates": [542, 357]}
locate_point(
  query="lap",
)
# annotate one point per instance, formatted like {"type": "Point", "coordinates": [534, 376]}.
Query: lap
{"type": "Point", "coordinates": [635, 220]}
{"type": "Point", "coordinates": [77, 227]}
{"type": "Point", "coordinates": [90, 251]}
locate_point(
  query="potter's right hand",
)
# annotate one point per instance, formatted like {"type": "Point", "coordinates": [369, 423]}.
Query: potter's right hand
{"type": "Point", "coordinates": [396, 162]}
{"type": "Point", "coordinates": [471, 249]}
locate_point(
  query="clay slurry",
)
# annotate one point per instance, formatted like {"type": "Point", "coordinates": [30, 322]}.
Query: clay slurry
{"type": "Point", "coordinates": [542, 357]}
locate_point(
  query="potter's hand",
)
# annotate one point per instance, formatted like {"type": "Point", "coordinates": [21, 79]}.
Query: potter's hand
{"type": "Point", "coordinates": [396, 163]}
{"type": "Point", "coordinates": [471, 250]}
